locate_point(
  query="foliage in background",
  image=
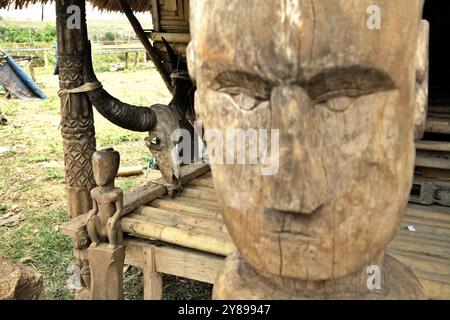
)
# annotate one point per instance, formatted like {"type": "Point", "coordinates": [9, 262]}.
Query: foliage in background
{"type": "Point", "coordinates": [20, 34]}
{"type": "Point", "coordinates": [29, 32]}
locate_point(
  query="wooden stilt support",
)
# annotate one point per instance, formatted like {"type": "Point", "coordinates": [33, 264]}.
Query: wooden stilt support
{"type": "Point", "coordinates": [153, 286]}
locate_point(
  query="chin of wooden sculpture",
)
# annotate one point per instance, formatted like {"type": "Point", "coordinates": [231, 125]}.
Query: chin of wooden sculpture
{"type": "Point", "coordinates": [238, 280]}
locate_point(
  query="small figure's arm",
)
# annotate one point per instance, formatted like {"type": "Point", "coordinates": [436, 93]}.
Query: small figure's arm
{"type": "Point", "coordinates": [94, 209]}
{"type": "Point", "coordinates": [91, 222]}
{"type": "Point", "coordinates": [112, 222]}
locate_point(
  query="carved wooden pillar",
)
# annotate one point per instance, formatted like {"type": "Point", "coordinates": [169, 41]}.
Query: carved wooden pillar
{"type": "Point", "coordinates": [77, 121]}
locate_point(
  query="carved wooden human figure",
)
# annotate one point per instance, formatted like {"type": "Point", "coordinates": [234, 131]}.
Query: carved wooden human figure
{"type": "Point", "coordinates": [103, 222]}
{"type": "Point", "coordinates": [342, 96]}
{"type": "Point", "coordinates": [106, 253]}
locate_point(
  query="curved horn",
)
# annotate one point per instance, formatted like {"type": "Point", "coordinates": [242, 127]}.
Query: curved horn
{"type": "Point", "coordinates": [124, 115]}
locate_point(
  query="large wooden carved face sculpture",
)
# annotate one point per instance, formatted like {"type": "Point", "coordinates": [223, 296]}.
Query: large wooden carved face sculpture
{"type": "Point", "coordinates": [341, 93]}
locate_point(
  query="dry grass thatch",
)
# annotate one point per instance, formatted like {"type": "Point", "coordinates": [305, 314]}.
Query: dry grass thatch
{"type": "Point", "coordinates": [109, 5]}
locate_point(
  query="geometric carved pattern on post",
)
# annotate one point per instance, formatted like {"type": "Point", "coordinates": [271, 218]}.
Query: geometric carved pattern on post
{"type": "Point", "coordinates": [77, 159]}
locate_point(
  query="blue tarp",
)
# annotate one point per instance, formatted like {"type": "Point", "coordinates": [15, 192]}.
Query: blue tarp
{"type": "Point", "coordinates": [16, 81]}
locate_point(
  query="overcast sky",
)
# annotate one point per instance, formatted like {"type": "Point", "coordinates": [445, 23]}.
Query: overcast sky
{"type": "Point", "coordinates": [34, 13]}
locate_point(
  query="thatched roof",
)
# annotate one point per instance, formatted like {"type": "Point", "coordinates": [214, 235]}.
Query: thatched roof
{"type": "Point", "coordinates": [110, 5]}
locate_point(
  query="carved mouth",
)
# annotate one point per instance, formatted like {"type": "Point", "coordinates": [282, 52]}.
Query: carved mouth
{"type": "Point", "coordinates": [292, 223]}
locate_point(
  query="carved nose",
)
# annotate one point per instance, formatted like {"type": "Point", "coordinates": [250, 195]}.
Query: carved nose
{"type": "Point", "coordinates": [300, 186]}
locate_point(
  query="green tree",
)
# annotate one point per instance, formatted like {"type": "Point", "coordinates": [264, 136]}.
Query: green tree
{"type": "Point", "coordinates": [109, 36]}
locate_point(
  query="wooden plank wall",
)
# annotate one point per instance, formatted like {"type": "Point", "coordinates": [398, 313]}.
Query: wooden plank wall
{"type": "Point", "coordinates": [171, 21]}
{"type": "Point", "coordinates": [174, 16]}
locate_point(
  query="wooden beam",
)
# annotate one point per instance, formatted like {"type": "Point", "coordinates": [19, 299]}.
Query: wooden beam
{"type": "Point", "coordinates": [436, 124]}
{"type": "Point", "coordinates": [180, 218]}
{"type": "Point", "coordinates": [155, 15]}
{"type": "Point", "coordinates": [176, 261]}
{"type": "Point", "coordinates": [443, 146]}
{"type": "Point", "coordinates": [153, 190]}
{"type": "Point", "coordinates": [432, 160]}
{"type": "Point", "coordinates": [170, 37]}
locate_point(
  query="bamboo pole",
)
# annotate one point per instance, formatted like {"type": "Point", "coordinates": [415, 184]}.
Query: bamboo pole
{"type": "Point", "coordinates": [433, 145]}
{"type": "Point", "coordinates": [130, 171]}
{"type": "Point", "coordinates": [216, 243]}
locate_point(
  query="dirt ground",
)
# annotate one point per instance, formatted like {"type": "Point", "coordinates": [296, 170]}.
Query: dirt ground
{"type": "Point", "coordinates": [32, 191]}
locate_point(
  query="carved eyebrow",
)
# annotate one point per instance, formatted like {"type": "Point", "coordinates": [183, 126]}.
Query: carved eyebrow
{"type": "Point", "coordinates": [235, 81]}
{"type": "Point", "coordinates": [351, 82]}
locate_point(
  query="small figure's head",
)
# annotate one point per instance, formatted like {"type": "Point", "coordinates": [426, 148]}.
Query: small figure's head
{"type": "Point", "coordinates": [105, 164]}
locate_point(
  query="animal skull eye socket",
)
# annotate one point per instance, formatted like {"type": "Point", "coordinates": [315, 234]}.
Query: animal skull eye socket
{"type": "Point", "coordinates": [153, 143]}
{"type": "Point", "coordinates": [156, 141]}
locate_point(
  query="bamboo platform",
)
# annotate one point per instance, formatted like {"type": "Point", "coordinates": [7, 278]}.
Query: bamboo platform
{"type": "Point", "coordinates": [186, 237]}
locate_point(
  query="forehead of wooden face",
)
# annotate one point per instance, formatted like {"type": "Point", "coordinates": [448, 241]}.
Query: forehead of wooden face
{"type": "Point", "coordinates": [298, 39]}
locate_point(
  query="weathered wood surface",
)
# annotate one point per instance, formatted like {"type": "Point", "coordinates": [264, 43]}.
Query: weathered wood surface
{"type": "Point", "coordinates": [18, 282]}
{"type": "Point", "coordinates": [434, 160]}
{"type": "Point", "coordinates": [153, 190]}
{"type": "Point", "coordinates": [443, 146]}
{"type": "Point", "coordinates": [106, 272]}
{"type": "Point", "coordinates": [345, 116]}
{"type": "Point", "coordinates": [130, 171]}
{"type": "Point", "coordinates": [153, 285]}
{"type": "Point", "coordinates": [238, 280]}
{"type": "Point", "coordinates": [177, 261]}
{"type": "Point", "coordinates": [429, 264]}
{"type": "Point", "coordinates": [438, 124]}
{"type": "Point", "coordinates": [426, 250]}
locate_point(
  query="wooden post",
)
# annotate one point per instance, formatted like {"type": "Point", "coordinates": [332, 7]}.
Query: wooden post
{"type": "Point", "coordinates": [153, 286]}
{"type": "Point", "coordinates": [45, 58]}
{"type": "Point", "coordinates": [126, 61]}
{"type": "Point", "coordinates": [155, 15]}
{"type": "Point", "coordinates": [106, 272]}
{"type": "Point", "coordinates": [136, 58]}
{"type": "Point", "coordinates": [77, 121]}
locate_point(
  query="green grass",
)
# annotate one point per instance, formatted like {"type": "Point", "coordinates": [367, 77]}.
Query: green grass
{"type": "Point", "coordinates": [127, 184]}
{"type": "Point", "coordinates": [38, 243]}
{"type": "Point", "coordinates": [53, 174]}
{"type": "Point", "coordinates": [37, 159]}
{"type": "Point", "coordinates": [3, 208]}
{"type": "Point", "coordinates": [110, 139]}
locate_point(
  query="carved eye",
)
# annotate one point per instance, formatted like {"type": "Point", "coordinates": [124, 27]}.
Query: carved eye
{"type": "Point", "coordinates": [242, 98]}
{"type": "Point", "coordinates": [336, 87]}
{"type": "Point", "coordinates": [247, 90]}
